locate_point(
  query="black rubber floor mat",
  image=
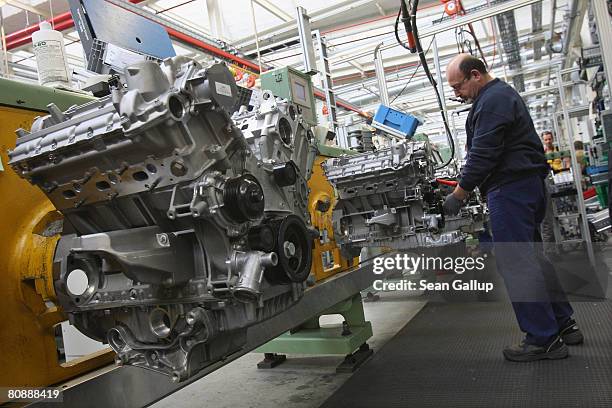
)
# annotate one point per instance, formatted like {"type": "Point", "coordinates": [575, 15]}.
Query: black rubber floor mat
{"type": "Point", "coordinates": [449, 355]}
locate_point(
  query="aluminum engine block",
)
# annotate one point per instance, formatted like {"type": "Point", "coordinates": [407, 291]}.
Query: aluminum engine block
{"type": "Point", "coordinates": [389, 198]}
{"type": "Point", "coordinates": [179, 232]}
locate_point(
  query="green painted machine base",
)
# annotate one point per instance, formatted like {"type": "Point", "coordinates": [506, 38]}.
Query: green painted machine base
{"type": "Point", "coordinates": [349, 338]}
{"type": "Point", "coordinates": [325, 340]}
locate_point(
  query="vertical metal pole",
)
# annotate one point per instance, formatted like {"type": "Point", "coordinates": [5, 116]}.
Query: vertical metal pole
{"type": "Point", "coordinates": [499, 48]}
{"type": "Point", "coordinates": [458, 148]}
{"type": "Point", "coordinates": [380, 75]}
{"type": "Point", "coordinates": [436, 56]}
{"type": "Point", "coordinates": [5, 67]}
{"type": "Point", "coordinates": [214, 18]}
{"type": "Point", "coordinates": [330, 97]}
{"type": "Point", "coordinates": [557, 132]}
{"type": "Point", "coordinates": [577, 173]}
{"type": "Point", "coordinates": [556, 127]}
{"type": "Point", "coordinates": [305, 33]}
{"type": "Point", "coordinates": [604, 30]}
{"type": "Point", "coordinates": [256, 36]}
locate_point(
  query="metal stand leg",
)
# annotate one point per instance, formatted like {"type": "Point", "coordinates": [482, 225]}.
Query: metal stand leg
{"type": "Point", "coordinates": [369, 296]}
{"type": "Point", "coordinates": [353, 361]}
{"type": "Point", "coordinates": [271, 360]}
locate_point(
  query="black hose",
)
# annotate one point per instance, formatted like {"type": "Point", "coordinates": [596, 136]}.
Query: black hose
{"type": "Point", "coordinates": [432, 81]}
{"type": "Point", "coordinates": [407, 26]}
{"type": "Point", "coordinates": [396, 29]}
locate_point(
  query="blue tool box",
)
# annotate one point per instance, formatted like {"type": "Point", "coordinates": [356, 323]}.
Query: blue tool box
{"type": "Point", "coordinates": [395, 122]}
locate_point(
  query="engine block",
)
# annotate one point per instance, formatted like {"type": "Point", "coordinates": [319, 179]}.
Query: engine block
{"type": "Point", "coordinates": [390, 198]}
{"type": "Point", "coordinates": [180, 229]}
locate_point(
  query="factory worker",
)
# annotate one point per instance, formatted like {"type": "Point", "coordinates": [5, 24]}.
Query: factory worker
{"type": "Point", "coordinates": [506, 162]}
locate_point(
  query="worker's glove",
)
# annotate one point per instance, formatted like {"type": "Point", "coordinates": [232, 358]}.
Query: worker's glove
{"type": "Point", "coordinates": [452, 205]}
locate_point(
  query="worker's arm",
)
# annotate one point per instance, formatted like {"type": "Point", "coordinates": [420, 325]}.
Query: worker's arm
{"type": "Point", "coordinates": [460, 193]}
{"type": "Point", "coordinates": [490, 125]}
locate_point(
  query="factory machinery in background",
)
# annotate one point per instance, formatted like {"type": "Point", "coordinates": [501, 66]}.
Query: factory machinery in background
{"type": "Point", "coordinates": [180, 230]}
{"type": "Point", "coordinates": [392, 197]}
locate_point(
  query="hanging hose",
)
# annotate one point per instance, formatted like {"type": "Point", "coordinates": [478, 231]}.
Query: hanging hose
{"type": "Point", "coordinates": [432, 81]}
{"type": "Point", "coordinates": [407, 27]}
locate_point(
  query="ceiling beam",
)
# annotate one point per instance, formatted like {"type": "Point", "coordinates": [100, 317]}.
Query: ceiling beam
{"type": "Point", "coordinates": [274, 9]}
{"type": "Point", "coordinates": [380, 9]}
{"type": "Point", "coordinates": [27, 7]}
{"type": "Point", "coordinates": [289, 28]}
{"type": "Point", "coordinates": [359, 67]}
{"type": "Point", "coordinates": [214, 18]}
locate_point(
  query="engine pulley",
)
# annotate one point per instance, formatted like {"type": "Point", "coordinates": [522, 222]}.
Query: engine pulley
{"type": "Point", "coordinates": [294, 249]}
{"type": "Point", "coordinates": [244, 198]}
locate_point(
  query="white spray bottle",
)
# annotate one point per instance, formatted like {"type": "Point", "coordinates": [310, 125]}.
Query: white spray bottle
{"type": "Point", "coordinates": [51, 58]}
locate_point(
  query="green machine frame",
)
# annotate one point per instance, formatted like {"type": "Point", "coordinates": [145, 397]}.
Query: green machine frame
{"type": "Point", "coordinates": [35, 97]}
{"type": "Point", "coordinates": [348, 339]}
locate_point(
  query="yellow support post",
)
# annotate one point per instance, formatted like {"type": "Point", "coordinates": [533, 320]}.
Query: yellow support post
{"type": "Point", "coordinates": [28, 227]}
{"type": "Point", "coordinates": [321, 202]}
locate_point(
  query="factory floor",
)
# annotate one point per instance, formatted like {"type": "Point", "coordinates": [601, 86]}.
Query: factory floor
{"type": "Point", "coordinates": [444, 343]}
{"type": "Point", "coordinates": [301, 381]}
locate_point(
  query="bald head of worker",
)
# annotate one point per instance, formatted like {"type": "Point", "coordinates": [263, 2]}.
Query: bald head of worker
{"type": "Point", "coordinates": [467, 75]}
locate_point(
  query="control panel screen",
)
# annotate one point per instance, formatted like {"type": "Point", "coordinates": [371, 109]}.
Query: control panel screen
{"type": "Point", "coordinates": [299, 92]}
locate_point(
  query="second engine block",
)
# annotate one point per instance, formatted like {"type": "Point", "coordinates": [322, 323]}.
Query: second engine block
{"type": "Point", "coordinates": [390, 198]}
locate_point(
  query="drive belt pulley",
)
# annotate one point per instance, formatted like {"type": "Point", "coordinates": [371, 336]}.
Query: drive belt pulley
{"type": "Point", "coordinates": [294, 249]}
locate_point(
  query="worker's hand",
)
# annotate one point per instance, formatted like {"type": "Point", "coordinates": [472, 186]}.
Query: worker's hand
{"type": "Point", "coordinates": [455, 200]}
{"type": "Point", "coordinates": [452, 205]}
